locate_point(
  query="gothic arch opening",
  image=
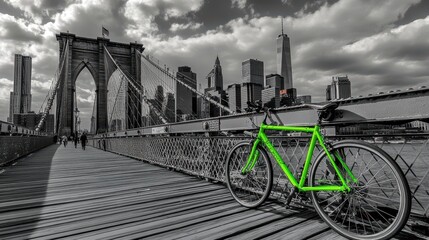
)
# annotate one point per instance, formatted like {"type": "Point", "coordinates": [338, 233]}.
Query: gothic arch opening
{"type": "Point", "coordinates": [84, 119]}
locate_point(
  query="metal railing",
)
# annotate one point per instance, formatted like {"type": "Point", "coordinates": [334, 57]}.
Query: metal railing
{"type": "Point", "coordinates": [14, 147]}
{"type": "Point", "coordinates": [11, 129]}
{"type": "Point", "coordinates": [205, 156]}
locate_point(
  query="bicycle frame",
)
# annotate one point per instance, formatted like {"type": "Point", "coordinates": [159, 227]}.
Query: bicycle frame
{"type": "Point", "coordinates": [316, 137]}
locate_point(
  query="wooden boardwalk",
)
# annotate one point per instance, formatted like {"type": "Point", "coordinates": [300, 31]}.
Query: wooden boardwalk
{"type": "Point", "coordinates": [69, 193]}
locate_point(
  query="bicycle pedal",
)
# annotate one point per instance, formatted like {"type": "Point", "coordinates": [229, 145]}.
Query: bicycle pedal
{"type": "Point", "coordinates": [290, 196]}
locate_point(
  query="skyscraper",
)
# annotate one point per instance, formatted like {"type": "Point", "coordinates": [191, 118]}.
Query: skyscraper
{"type": "Point", "coordinates": [252, 77]}
{"type": "Point", "coordinates": [250, 92]}
{"type": "Point", "coordinates": [20, 98]}
{"type": "Point", "coordinates": [215, 91]}
{"type": "Point", "coordinates": [215, 78]}
{"type": "Point", "coordinates": [284, 64]}
{"type": "Point", "coordinates": [252, 71]}
{"type": "Point", "coordinates": [271, 97]}
{"type": "Point", "coordinates": [186, 100]}
{"type": "Point", "coordinates": [339, 88]}
{"type": "Point", "coordinates": [275, 80]}
{"type": "Point", "coordinates": [234, 97]}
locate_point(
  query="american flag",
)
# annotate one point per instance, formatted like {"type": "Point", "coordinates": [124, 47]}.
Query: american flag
{"type": "Point", "coordinates": [104, 31]}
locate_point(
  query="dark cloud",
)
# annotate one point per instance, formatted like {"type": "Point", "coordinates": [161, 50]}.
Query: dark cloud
{"type": "Point", "coordinates": [15, 32]}
{"type": "Point", "coordinates": [416, 11]}
{"type": "Point", "coordinates": [214, 14]}
{"type": "Point", "coordinates": [9, 9]}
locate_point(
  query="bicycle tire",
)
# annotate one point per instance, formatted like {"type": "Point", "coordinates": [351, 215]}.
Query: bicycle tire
{"type": "Point", "coordinates": [242, 187]}
{"type": "Point", "coordinates": [375, 209]}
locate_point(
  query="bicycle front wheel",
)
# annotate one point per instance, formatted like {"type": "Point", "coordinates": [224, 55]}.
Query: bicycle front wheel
{"type": "Point", "coordinates": [378, 205]}
{"type": "Point", "coordinates": [252, 188]}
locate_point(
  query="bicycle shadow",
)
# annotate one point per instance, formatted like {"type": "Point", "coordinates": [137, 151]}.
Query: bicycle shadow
{"type": "Point", "coordinates": [294, 211]}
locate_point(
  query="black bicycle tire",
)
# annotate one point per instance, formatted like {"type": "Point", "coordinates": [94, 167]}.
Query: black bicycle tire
{"type": "Point", "coordinates": [270, 176]}
{"type": "Point", "coordinates": [402, 218]}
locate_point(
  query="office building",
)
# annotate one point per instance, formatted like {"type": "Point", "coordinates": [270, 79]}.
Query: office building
{"type": "Point", "coordinates": [212, 110]}
{"type": "Point", "coordinates": [186, 100]}
{"type": "Point", "coordinates": [271, 97]}
{"type": "Point", "coordinates": [340, 88]}
{"type": "Point", "coordinates": [234, 97]}
{"type": "Point", "coordinates": [252, 71]}
{"type": "Point", "coordinates": [284, 64]}
{"type": "Point", "coordinates": [169, 110]}
{"type": "Point", "coordinates": [250, 92]}
{"type": "Point", "coordinates": [215, 91]}
{"type": "Point", "coordinates": [252, 77]}
{"type": "Point", "coordinates": [215, 79]}
{"type": "Point", "coordinates": [20, 98]}
{"type": "Point", "coordinates": [275, 80]}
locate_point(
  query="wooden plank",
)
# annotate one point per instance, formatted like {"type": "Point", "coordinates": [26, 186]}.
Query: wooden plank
{"type": "Point", "coordinates": [69, 193]}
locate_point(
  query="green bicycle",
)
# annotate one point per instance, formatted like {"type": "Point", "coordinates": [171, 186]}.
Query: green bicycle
{"type": "Point", "coordinates": [355, 187]}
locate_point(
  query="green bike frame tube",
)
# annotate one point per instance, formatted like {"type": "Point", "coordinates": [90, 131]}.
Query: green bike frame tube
{"type": "Point", "coordinates": [349, 172]}
{"type": "Point", "coordinates": [309, 156]}
{"type": "Point", "coordinates": [331, 159]}
{"type": "Point", "coordinates": [316, 138]}
{"type": "Point", "coordinates": [278, 158]}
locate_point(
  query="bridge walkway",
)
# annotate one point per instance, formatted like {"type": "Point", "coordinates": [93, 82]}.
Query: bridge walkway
{"type": "Point", "coordinates": [69, 193]}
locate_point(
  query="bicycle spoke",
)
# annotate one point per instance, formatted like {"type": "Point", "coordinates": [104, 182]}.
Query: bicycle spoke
{"type": "Point", "coordinates": [373, 204]}
{"type": "Point", "coordinates": [249, 189]}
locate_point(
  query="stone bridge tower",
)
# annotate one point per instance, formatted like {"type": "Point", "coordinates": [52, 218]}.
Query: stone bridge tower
{"type": "Point", "coordinates": [89, 53]}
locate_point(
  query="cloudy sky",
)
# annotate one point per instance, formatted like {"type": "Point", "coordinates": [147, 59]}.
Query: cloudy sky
{"type": "Point", "coordinates": [380, 45]}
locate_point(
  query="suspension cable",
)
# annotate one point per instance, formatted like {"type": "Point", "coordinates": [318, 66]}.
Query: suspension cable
{"type": "Point", "coordinates": [53, 93]}
{"type": "Point", "coordinates": [164, 121]}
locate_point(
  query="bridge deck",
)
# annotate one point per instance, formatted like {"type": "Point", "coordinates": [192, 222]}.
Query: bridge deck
{"type": "Point", "coordinates": [69, 193]}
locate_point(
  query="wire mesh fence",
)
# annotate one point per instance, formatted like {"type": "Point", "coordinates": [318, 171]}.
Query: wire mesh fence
{"type": "Point", "coordinates": [14, 147]}
{"type": "Point", "coordinates": [206, 156]}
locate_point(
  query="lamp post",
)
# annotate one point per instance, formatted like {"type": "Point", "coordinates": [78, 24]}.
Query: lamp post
{"type": "Point", "coordinates": [76, 115]}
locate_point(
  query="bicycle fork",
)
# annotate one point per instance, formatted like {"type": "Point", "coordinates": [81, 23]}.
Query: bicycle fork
{"type": "Point", "coordinates": [253, 157]}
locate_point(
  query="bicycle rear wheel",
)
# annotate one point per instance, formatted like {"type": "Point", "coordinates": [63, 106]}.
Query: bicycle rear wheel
{"type": "Point", "coordinates": [253, 188]}
{"type": "Point", "coordinates": [377, 207]}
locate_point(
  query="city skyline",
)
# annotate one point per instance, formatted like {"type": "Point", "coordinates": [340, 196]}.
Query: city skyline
{"type": "Point", "coordinates": [381, 47]}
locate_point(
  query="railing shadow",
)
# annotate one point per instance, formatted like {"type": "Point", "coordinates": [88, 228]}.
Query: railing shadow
{"type": "Point", "coordinates": [24, 187]}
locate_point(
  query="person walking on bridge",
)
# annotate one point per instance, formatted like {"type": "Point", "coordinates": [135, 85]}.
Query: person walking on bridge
{"type": "Point", "coordinates": [83, 140]}
{"type": "Point", "coordinates": [64, 138]}
{"type": "Point", "coordinates": [76, 139]}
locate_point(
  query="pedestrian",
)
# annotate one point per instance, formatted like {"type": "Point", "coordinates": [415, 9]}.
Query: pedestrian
{"type": "Point", "coordinates": [76, 139]}
{"type": "Point", "coordinates": [64, 140]}
{"type": "Point", "coordinates": [83, 140]}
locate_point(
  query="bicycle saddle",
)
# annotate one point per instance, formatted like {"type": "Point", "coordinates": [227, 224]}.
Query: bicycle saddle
{"type": "Point", "coordinates": [329, 106]}
{"type": "Point", "coordinates": [326, 112]}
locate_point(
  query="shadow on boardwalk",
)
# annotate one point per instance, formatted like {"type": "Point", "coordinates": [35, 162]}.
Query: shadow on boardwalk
{"type": "Point", "coordinates": [23, 190]}
{"type": "Point", "coordinates": [69, 193]}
